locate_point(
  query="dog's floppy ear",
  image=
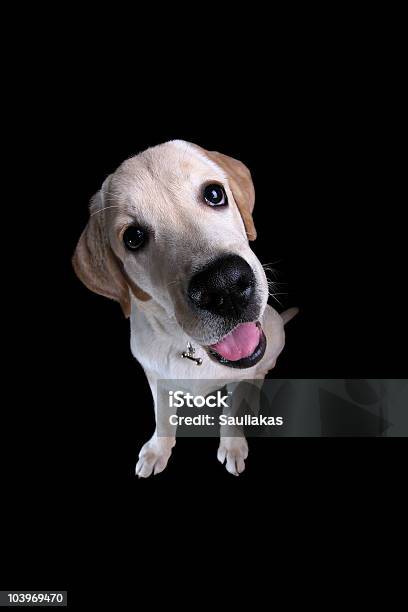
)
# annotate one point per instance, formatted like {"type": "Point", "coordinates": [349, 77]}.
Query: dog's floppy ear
{"type": "Point", "coordinates": [97, 266]}
{"type": "Point", "coordinates": [242, 187]}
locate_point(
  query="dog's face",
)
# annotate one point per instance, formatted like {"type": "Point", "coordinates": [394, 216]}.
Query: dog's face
{"type": "Point", "coordinates": [172, 224]}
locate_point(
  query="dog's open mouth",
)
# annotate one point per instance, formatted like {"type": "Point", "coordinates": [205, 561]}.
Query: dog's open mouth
{"type": "Point", "coordinates": [244, 347]}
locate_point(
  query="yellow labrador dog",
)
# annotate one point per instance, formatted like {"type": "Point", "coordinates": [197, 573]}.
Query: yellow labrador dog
{"type": "Point", "coordinates": [168, 239]}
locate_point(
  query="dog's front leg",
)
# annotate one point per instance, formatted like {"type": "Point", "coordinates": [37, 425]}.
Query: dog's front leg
{"type": "Point", "coordinates": [155, 454]}
{"type": "Point", "coordinates": [233, 449]}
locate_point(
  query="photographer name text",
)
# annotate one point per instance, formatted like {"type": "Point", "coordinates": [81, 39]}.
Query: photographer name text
{"type": "Point", "coordinates": [201, 420]}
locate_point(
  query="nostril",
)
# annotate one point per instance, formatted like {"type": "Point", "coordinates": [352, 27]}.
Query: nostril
{"type": "Point", "coordinates": [195, 295]}
{"type": "Point", "coordinates": [246, 292]}
{"type": "Point", "coordinates": [243, 284]}
{"type": "Point", "coordinates": [199, 298]}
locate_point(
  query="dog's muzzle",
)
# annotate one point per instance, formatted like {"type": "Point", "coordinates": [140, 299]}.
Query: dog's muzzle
{"type": "Point", "coordinates": [226, 289]}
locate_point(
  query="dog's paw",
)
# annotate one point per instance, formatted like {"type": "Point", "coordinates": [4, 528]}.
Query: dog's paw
{"type": "Point", "coordinates": [154, 456]}
{"type": "Point", "coordinates": [233, 452]}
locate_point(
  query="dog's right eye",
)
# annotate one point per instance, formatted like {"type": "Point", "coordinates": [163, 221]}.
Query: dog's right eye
{"type": "Point", "coordinates": [215, 195]}
{"type": "Point", "coordinates": [133, 237]}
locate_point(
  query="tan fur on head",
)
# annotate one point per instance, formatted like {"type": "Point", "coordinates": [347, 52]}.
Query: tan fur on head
{"type": "Point", "coordinates": [97, 266]}
{"type": "Point", "coordinates": [161, 190]}
{"type": "Point", "coordinates": [242, 187]}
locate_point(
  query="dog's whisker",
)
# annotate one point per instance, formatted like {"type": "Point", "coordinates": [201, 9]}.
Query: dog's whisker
{"type": "Point", "coordinates": [269, 268]}
{"type": "Point", "coordinates": [276, 299]}
{"type": "Point", "coordinates": [102, 209]}
{"type": "Point", "coordinates": [271, 271]}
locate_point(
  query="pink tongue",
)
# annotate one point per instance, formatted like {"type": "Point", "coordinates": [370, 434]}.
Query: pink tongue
{"type": "Point", "coordinates": [240, 343]}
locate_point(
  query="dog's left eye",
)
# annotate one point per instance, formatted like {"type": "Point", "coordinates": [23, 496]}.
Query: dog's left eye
{"type": "Point", "coordinates": [133, 237]}
{"type": "Point", "coordinates": [215, 195]}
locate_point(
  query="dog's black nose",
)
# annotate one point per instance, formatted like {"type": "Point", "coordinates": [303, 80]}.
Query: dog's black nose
{"type": "Point", "coordinates": [225, 287]}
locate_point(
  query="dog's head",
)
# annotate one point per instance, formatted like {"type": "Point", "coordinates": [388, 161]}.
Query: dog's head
{"type": "Point", "coordinates": [172, 224]}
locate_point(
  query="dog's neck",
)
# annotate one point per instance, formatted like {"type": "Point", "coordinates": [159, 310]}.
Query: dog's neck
{"type": "Point", "coordinates": [152, 316]}
{"type": "Point", "coordinates": [156, 339]}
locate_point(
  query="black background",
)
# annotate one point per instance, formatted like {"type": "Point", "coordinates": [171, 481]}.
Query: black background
{"type": "Point", "coordinates": [320, 133]}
